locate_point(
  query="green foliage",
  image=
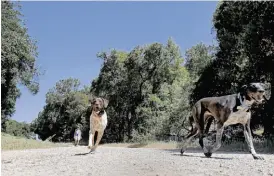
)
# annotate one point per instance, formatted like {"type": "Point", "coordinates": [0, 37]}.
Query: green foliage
{"type": "Point", "coordinates": [140, 86]}
{"type": "Point", "coordinates": [18, 56]}
{"type": "Point", "coordinates": [66, 107]}
{"type": "Point", "coordinates": [18, 128]}
{"type": "Point", "coordinates": [197, 58]}
{"type": "Point", "coordinates": [245, 54]}
{"type": "Point", "coordinates": [147, 89]}
{"type": "Point", "coordinates": [150, 91]}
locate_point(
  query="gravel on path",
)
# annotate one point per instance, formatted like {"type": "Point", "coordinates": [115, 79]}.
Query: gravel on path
{"type": "Point", "coordinates": [110, 161]}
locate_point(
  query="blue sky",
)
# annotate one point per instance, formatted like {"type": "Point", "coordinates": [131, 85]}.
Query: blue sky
{"type": "Point", "coordinates": [69, 34]}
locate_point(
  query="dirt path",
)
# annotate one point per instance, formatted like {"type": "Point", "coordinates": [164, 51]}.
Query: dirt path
{"type": "Point", "coordinates": [109, 161]}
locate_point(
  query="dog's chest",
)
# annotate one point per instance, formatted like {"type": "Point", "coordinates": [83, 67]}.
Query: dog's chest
{"type": "Point", "coordinates": [99, 122]}
{"type": "Point", "coordinates": [239, 116]}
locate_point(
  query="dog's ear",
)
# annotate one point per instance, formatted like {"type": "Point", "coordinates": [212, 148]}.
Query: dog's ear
{"type": "Point", "coordinates": [91, 99]}
{"type": "Point", "coordinates": [105, 102]}
{"type": "Point", "coordinates": [243, 89]}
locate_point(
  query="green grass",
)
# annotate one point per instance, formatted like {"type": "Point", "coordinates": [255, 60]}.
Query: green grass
{"type": "Point", "coordinates": [9, 142]}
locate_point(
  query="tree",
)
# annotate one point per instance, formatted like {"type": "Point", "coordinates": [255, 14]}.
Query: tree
{"type": "Point", "coordinates": [198, 58]}
{"type": "Point", "coordinates": [66, 107]}
{"type": "Point", "coordinates": [245, 54]}
{"type": "Point", "coordinates": [147, 89]}
{"type": "Point", "coordinates": [139, 85]}
{"type": "Point", "coordinates": [18, 128]}
{"type": "Point", "coordinates": [18, 56]}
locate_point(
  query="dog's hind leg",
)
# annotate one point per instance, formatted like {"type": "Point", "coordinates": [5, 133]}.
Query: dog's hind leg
{"type": "Point", "coordinates": [196, 130]}
{"type": "Point", "coordinates": [205, 118]}
{"type": "Point", "coordinates": [208, 124]}
{"type": "Point", "coordinates": [208, 150]}
{"type": "Point", "coordinates": [190, 138]}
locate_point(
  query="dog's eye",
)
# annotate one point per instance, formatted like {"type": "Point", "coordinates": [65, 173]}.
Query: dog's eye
{"type": "Point", "coordinates": [261, 91]}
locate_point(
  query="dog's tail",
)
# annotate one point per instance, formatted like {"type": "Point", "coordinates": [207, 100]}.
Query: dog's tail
{"type": "Point", "coordinates": [193, 121]}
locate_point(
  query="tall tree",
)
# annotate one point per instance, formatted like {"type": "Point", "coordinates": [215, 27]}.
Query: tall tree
{"type": "Point", "coordinates": [198, 58]}
{"type": "Point", "coordinates": [66, 107]}
{"type": "Point", "coordinates": [138, 85]}
{"type": "Point", "coordinates": [245, 32]}
{"type": "Point", "coordinates": [18, 56]}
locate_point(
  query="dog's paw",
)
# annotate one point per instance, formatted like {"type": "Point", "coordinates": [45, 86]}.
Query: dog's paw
{"type": "Point", "coordinates": [89, 147]}
{"type": "Point", "coordinates": [208, 148]}
{"type": "Point", "coordinates": [208, 154]}
{"type": "Point", "coordinates": [257, 157]}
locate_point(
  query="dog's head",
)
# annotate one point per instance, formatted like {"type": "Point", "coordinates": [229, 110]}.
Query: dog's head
{"type": "Point", "coordinates": [254, 91]}
{"type": "Point", "coordinates": [99, 104]}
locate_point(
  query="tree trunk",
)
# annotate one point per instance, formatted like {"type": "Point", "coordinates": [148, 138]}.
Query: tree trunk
{"type": "Point", "coordinates": [121, 126]}
{"type": "Point", "coordinates": [129, 125]}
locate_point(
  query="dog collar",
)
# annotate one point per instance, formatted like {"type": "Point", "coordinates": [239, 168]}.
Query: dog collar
{"type": "Point", "coordinates": [242, 102]}
{"type": "Point", "coordinates": [100, 113]}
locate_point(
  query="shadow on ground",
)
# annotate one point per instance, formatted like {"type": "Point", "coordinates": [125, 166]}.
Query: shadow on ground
{"type": "Point", "coordinates": [221, 151]}
{"type": "Point", "coordinates": [195, 156]}
{"type": "Point", "coordinates": [81, 154]}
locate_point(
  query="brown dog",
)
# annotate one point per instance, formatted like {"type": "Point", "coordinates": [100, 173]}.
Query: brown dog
{"type": "Point", "coordinates": [226, 110]}
{"type": "Point", "coordinates": [98, 122]}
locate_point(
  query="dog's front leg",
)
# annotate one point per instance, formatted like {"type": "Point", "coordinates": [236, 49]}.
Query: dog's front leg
{"type": "Point", "coordinates": [249, 141]}
{"type": "Point", "coordinates": [99, 137]}
{"type": "Point", "coordinates": [90, 140]}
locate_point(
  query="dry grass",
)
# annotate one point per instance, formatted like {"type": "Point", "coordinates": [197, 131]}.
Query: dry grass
{"type": "Point", "coordinates": [16, 143]}
{"type": "Point", "coordinates": [9, 142]}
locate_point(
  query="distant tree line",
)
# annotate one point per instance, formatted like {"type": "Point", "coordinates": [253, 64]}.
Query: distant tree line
{"type": "Point", "coordinates": [18, 129]}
